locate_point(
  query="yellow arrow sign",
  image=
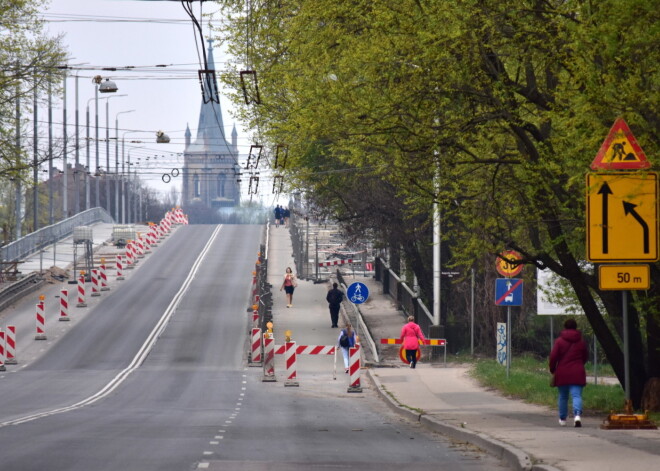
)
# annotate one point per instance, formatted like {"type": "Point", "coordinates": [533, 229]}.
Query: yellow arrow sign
{"type": "Point", "coordinates": [622, 217]}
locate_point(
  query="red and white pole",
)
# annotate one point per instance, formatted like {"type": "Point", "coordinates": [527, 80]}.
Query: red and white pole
{"type": "Point", "coordinates": [64, 305]}
{"type": "Point", "coordinates": [103, 277]}
{"type": "Point", "coordinates": [269, 358]}
{"type": "Point", "coordinates": [41, 321]}
{"type": "Point", "coordinates": [2, 351]}
{"type": "Point", "coordinates": [290, 360]}
{"type": "Point", "coordinates": [120, 268]}
{"type": "Point", "coordinates": [81, 290]}
{"type": "Point", "coordinates": [11, 345]}
{"type": "Point", "coordinates": [134, 252]}
{"type": "Point", "coordinates": [129, 256]}
{"type": "Point", "coordinates": [354, 369]}
{"type": "Point", "coordinates": [95, 282]}
{"type": "Point", "coordinates": [255, 352]}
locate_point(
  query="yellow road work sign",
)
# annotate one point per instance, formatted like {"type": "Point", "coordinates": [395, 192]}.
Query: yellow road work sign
{"type": "Point", "coordinates": [624, 277]}
{"type": "Point", "coordinates": [622, 217]}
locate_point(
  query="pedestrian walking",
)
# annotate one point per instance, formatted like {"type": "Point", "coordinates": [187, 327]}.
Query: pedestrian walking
{"type": "Point", "coordinates": [286, 214]}
{"type": "Point", "coordinates": [278, 215]}
{"type": "Point", "coordinates": [288, 285]}
{"type": "Point", "coordinates": [334, 298]}
{"type": "Point", "coordinates": [411, 334]}
{"type": "Point", "coordinates": [346, 340]}
{"type": "Point", "coordinates": [567, 358]}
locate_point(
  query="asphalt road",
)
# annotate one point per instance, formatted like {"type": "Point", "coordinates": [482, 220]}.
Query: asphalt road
{"type": "Point", "coordinates": [155, 378]}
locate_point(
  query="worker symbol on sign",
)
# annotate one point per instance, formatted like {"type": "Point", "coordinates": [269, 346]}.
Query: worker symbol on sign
{"type": "Point", "coordinates": [619, 153]}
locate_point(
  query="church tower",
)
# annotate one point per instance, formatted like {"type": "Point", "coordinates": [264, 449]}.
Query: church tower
{"type": "Point", "coordinates": [211, 168]}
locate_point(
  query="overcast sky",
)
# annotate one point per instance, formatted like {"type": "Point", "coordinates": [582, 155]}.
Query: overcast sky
{"type": "Point", "coordinates": [140, 34]}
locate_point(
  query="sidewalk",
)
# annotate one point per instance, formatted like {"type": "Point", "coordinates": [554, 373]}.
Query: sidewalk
{"type": "Point", "coordinates": [447, 399]}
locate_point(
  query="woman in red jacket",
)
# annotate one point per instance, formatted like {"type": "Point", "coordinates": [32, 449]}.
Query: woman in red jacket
{"type": "Point", "coordinates": [411, 334]}
{"type": "Point", "coordinates": [567, 359]}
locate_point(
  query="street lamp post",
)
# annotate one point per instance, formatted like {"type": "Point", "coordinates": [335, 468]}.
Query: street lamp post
{"type": "Point", "coordinates": [117, 161]}
{"type": "Point", "coordinates": [104, 87]}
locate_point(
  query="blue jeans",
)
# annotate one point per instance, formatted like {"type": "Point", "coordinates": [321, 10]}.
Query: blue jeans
{"type": "Point", "coordinates": [575, 392]}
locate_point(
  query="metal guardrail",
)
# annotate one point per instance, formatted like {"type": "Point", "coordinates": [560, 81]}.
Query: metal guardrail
{"type": "Point", "coordinates": [46, 236]}
{"type": "Point", "coordinates": [18, 289]}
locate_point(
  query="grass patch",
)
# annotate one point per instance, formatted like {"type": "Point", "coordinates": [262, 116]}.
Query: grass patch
{"type": "Point", "coordinates": [529, 381]}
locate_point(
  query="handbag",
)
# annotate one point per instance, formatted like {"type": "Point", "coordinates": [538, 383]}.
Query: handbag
{"type": "Point", "coordinates": [552, 381]}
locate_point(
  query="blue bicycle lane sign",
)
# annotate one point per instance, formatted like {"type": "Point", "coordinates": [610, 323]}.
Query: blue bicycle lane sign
{"type": "Point", "coordinates": [357, 293]}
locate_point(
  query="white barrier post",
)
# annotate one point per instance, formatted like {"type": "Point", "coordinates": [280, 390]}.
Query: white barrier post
{"type": "Point", "coordinates": [354, 369]}
{"type": "Point", "coordinates": [269, 358]}
{"type": "Point", "coordinates": [255, 353]}
{"type": "Point", "coordinates": [41, 320]}
{"type": "Point", "coordinates": [120, 268]}
{"type": "Point", "coordinates": [290, 360]}
{"type": "Point", "coordinates": [95, 282]}
{"type": "Point", "coordinates": [11, 345]}
{"type": "Point", "coordinates": [2, 351]}
{"type": "Point", "coordinates": [64, 305]}
{"type": "Point", "coordinates": [129, 255]}
{"type": "Point", "coordinates": [81, 290]}
{"type": "Point", "coordinates": [103, 276]}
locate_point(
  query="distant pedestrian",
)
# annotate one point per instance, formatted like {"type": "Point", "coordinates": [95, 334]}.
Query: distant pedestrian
{"type": "Point", "coordinates": [288, 285]}
{"type": "Point", "coordinates": [346, 340]}
{"type": "Point", "coordinates": [278, 215]}
{"type": "Point", "coordinates": [286, 214]}
{"type": "Point", "coordinates": [567, 359]}
{"type": "Point", "coordinates": [334, 298]}
{"type": "Point", "coordinates": [411, 334]}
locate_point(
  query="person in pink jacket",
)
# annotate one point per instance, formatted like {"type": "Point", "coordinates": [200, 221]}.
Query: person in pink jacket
{"type": "Point", "coordinates": [411, 334]}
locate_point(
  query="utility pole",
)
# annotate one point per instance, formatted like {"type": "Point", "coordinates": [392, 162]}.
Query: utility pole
{"type": "Point", "coordinates": [51, 176]}
{"type": "Point", "coordinates": [65, 176]}
{"type": "Point", "coordinates": [35, 159]}
{"type": "Point", "coordinates": [76, 178]}
{"type": "Point", "coordinates": [19, 187]}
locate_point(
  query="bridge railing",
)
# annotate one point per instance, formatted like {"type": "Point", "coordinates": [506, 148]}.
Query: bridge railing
{"type": "Point", "coordinates": [48, 235]}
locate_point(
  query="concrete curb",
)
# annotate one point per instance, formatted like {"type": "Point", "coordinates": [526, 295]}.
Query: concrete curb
{"type": "Point", "coordinates": [517, 459]}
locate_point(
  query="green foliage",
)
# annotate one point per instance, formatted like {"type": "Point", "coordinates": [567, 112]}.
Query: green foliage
{"type": "Point", "coordinates": [528, 380]}
{"type": "Point", "coordinates": [491, 109]}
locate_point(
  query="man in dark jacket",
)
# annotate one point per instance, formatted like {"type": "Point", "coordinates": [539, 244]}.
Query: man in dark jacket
{"type": "Point", "coordinates": [334, 298]}
{"type": "Point", "coordinates": [567, 359]}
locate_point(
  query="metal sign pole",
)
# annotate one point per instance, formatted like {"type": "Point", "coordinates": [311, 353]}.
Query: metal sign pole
{"type": "Point", "coordinates": [626, 352]}
{"type": "Point", "coordinates": [508, 340]}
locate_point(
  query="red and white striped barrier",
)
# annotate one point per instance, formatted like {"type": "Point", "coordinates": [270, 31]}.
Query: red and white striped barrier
{"type": "Point", "coordinates": [3, 345]}
{"type": "Point", "coordinates": [290, 361]}
{"type": "Point", "coordinates": [269, 358]}
{"type": "Point", "coordinates": [81, 291]}
{"type": "Point", "coordinates": [95, 282]}
{"type": "Point", "coordinates": [120, 267]}
{"type": "Point", "coordinates": [354, 369]}
{"type": "Point", "coordinates": [307, 349]}
{"type": "Point", "coordinates": [103, 277]}
{"type": "Point", "coordinates": [41, 321]}
{"type": "Point", "coordinates": [10, 346]}
{"type": "Point", "coordinates": [129, 255]}
{"type": "Point", "coordinates": [255, 317]}
{"type": "Point", "coordinates": [337, 262]}
{"type": "Point", "coordinates": [255, 352]}
{"type": "Point", "coordinates": [64, 305]}
{"type": "Point", "coordinates": [140, 247]}
{"type": "Point", "coordinates": [134, 252]}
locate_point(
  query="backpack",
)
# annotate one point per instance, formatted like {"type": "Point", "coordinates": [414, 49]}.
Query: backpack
{"type": "Point", "coordinates": [343, 340]}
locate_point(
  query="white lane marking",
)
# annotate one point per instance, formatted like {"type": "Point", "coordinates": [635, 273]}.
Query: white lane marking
{"type": "Point", "coordinates": [203, 465]}
{"type": "Point", "coordinates": [141, 354]}
{"type": "Point", "coordinates": [207, 453]}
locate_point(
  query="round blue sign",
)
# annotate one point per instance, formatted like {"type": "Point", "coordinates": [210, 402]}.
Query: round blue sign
{"type": "Point", "coordinates": [357, 293]}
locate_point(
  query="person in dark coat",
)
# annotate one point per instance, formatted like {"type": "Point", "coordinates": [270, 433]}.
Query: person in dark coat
{"type": "Point", "coordinates": [567, 359]}
{"type": "Point", "coordinates": [334, 298]}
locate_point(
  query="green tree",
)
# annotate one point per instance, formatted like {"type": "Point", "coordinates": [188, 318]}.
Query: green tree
{"type": "Point", "coordinates": [492, 110]}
